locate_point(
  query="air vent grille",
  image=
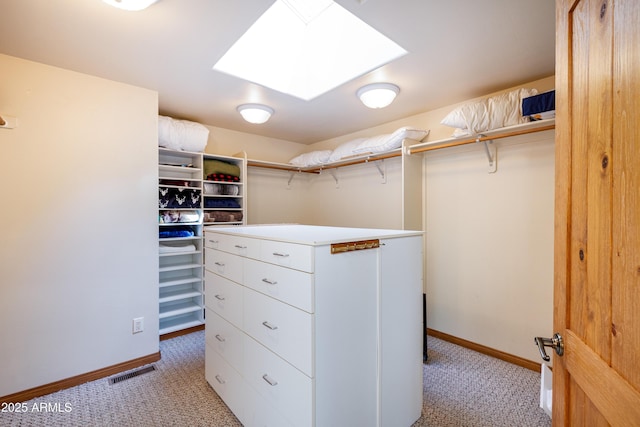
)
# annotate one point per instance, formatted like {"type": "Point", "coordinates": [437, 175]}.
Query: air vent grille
{"type": "Point", "coordinates": [132, 374]}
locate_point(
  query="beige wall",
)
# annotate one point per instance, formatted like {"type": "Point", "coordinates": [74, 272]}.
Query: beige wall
{"type": "Point", "coordinates": [229, 142]}
{"type": "Point", "coordinates": [489, 255]}
{"type": "Point", "coordinates": [78, 253]}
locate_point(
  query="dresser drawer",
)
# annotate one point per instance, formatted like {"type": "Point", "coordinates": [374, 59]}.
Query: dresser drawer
{"type": "Point", "coordinates": [285, 330]}
{"type": "Point", "coordinates": [237, 245]}
{"type": "Point", "coordinates": [224, 264]}
{"type": "Point", "coordinates": [291, 255]}
{"type": "Point", "coordinates": [224, 297]}
{"type": "Point", "coordinates": [291, 286]}
{"type": "Point", "coordinates": [288, 390]}
{"type": "Point", "coordinates": [225, 338]}
{"type": "Point", "coordinates": [226, 381]}
{"type": "Point", "coordinates": [212, 240]}
{"type": "Point", "coordinates": [261, 413]}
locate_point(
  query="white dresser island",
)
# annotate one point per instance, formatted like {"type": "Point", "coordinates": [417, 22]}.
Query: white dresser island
{"type": "Point", "coordinates": [315, 326]}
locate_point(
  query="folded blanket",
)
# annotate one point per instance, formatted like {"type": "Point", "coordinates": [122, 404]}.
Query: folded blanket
{"type": "Point", "coordinates": [221, 203]}
{"type": "Point", "coordinates": [214, 189]}
{"type": "Point", "coordinates": [223, 216]}
{"type": "Point", "coordinates": [222, 177]}
{"type": "Point", "coordinates": [176, 198]}
{"type": "Point", "coordinates": [165, 234]}
{"type": "Point", "coordinates": [169, 249]}
{"type": "Point", "coordinates": [220, 167]}
{"type": "Point", "coordinates": [176, 182]}
{"type": "Point", "coordinates": [167, 217]}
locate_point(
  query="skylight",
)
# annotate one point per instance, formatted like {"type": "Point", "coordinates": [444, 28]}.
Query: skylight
{"type": "Point", "coordinates": [305, 48]}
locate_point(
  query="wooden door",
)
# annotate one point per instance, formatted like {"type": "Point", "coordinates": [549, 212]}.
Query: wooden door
{"type": "Point", "coordinates": [597, 236]}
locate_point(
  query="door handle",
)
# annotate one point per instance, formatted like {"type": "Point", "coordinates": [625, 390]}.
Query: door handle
{"type": "Point", "coordinates": [556, 343]}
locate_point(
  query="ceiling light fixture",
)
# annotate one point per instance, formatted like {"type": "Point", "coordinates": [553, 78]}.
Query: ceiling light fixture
{"type": "Point", "coordinates": [130, 4]}
{"type": "Point", "coordinates": [255, 113]}
{"type": "Point", "coordinates": [378, 95]}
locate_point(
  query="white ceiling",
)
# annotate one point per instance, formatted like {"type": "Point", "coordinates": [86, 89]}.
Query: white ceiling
{"type": "Point", "coordinates": [458, 49]}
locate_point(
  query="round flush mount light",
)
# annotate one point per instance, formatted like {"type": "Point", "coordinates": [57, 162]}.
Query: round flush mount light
{"type": "Point", "coordinates": [130, 4]}
{"type": "Point", "coordinates": [255, 113]}
{"type": "Point", "coordinates": [378, 95]}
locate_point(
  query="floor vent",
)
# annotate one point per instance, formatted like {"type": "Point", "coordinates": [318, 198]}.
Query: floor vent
{"type": "Point", "coordinates": [132, 374]}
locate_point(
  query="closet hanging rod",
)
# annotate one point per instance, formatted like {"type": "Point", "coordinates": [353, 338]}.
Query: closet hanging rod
{"type": "Point", "coordinates": [276, 166]}
{"type": "Point", "coordinates": [326, 166]}
{"type": "Point", "coordinates": [368, 159]}
{"type": "Point", "coordinates": [419, 148]}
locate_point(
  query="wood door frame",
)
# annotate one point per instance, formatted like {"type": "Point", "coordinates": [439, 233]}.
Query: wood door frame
{"type": "Point", "coordinates": [562, 209]}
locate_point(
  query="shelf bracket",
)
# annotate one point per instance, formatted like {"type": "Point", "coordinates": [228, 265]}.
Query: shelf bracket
{"type": "Point", "coordinates": [381, 169]}
{"type": "Point", "coordinates": [332, 172]}
{"type": "Point", "coordinates": [291, 175]}
{"type": "Point", "coordinates": [491, 151]}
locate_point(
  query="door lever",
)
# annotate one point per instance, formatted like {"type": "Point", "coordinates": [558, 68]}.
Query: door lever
{"type": "Point", "coordinates": [556, 343]}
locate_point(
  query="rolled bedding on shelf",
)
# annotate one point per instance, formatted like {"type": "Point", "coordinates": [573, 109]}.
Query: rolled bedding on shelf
{"type": "Point", "coordinates": [182, 134]}
{"type": "Point", "coordinates": [488, 113]}
{"type": "Point", "coordinates": [359, 147]}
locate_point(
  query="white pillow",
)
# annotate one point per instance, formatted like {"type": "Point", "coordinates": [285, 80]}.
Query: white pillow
{"type": "Point", "coordinates": [311, 159]}
{"type": "Point", "coordinates": [182, 134]}
{"type": "Point", "coordinates": [345, 150]}
{"type": "Point", "coordinates": [381, 143]}
{"type": "Point", "coordinates": [489, 113]}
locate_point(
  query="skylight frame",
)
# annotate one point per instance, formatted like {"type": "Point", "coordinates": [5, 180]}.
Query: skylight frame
{"type": "Point", "coordinates": [311, 65]}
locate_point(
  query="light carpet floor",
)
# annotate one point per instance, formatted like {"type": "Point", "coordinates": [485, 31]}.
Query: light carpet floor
{"type": "Point", "coordinates": [461, 388]}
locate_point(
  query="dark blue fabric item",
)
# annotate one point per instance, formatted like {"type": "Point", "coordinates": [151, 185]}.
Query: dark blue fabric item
{"type": "Point", "coordinates": [176, 232]}
{"type": "Point", "coordinates": [539, 103]}
{"type": "Point", "coordinates": [178, 198]}
{"type": "Point", "coordinates": [220, 203]}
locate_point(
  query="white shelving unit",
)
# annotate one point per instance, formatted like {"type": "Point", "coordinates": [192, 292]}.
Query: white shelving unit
{"type": "Point", "coordinates": [224, 198]}
{"type": "Point", "coordinates": [181, 286]}
{"type": "Point", "coordinates": [186, 198]}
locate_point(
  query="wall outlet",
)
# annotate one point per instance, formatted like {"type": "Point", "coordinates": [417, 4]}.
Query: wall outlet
{"type": "Point", "coordinates": [138, 325]}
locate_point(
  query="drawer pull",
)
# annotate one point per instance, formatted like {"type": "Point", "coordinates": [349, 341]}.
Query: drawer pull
{"type": "Point", "coordinates": [220, 380]}
{"type": "Point", "coordinates": [270, 282]}
{"type": "Point", "coordinates": [219, 264]}
{"type": "Point", "coordinates": [219, 297]}
{"type": "Point", "coordinates": [220, 338]}
{"type": "Point", "coordinates": [269, 325]}
{"type": "Point", "coordinates": [240, 247]}
{"type": "Point", "coordinates": [280, 255]}
{"type": "Point", "coordinates": [215, 242]}
{"type": "Point", "coordinates": [269, 380]}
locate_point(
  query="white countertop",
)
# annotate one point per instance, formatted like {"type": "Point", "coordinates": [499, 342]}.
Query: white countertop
{"type": "Point", "coordinates": [310, 234]}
